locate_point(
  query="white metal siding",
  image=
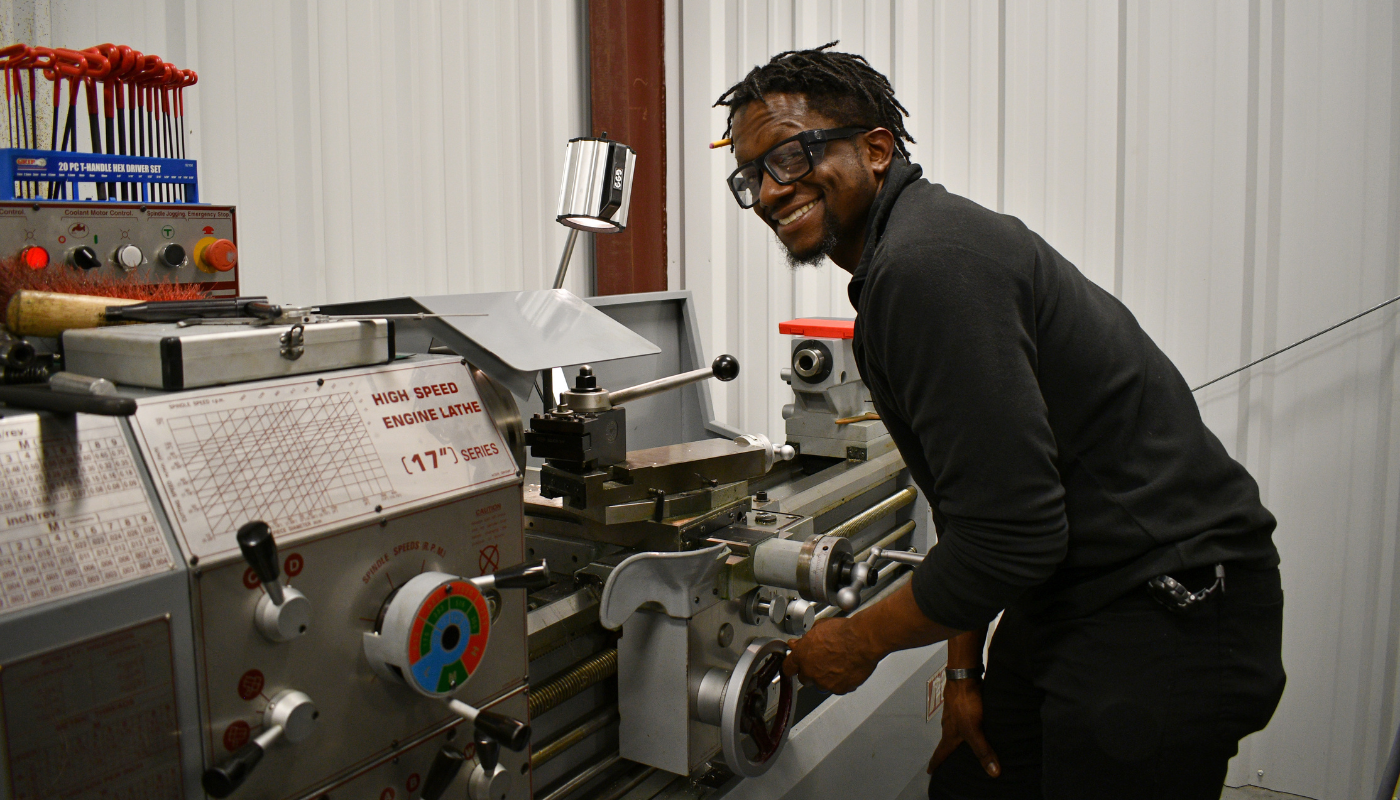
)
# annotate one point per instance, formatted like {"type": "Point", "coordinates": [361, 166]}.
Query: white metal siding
{"type": "Point", "coordinates": [373, 148]}
{"type": "Point", "coordinates": [1232, 172]}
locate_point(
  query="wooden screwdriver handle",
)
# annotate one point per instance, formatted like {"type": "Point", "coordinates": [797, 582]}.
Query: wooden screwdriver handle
{"type": "Point", "coordinates": [34, 313]}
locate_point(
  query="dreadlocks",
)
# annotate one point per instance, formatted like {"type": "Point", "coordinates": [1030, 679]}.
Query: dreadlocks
{"type": "Point", "coordinates": [843, 86]}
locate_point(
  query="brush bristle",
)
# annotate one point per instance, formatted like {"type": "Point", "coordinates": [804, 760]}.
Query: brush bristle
{"type": "Point", "coordinates": [58, 278]}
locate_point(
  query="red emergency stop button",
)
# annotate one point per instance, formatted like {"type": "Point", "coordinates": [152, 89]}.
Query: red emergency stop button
{"type": "Point", "coordinates": [215, 255]}
{"type": "Point", "coordinates": [34, 257]}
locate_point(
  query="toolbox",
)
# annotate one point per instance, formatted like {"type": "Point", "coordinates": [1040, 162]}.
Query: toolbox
{"type": "Point", "coordinates": [170, 356]}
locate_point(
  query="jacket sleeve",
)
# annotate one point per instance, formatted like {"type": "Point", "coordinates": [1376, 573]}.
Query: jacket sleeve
{"type": "Point", "coordinates": [952, 334]}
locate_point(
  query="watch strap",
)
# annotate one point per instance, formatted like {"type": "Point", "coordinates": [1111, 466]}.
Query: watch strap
{"type": "Point", "coordinates": [964, 674]}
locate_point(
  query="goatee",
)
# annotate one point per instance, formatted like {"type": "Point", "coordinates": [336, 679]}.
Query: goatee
{"type": "Point", "coordinates": [814, 256]}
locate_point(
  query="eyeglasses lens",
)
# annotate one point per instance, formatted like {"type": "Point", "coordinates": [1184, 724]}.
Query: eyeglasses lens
{"type": "Point", "coordinates": [746, 184]}
{"type": "Point", "coordinates": [788, 162]}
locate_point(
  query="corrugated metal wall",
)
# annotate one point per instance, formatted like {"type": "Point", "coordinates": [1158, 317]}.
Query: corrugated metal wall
{"type": "Point", "coordinates": [373, 148]}
{"type": "Point", "coordinates": [1231, 170]}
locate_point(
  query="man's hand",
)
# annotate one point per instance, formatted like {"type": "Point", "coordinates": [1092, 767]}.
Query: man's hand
{"type": "Point", "coordinates": [839, 654]}
{"type": "Point", "coordinates": [962, 722]}
{"type": "Point", "coordinates": [833, 655]}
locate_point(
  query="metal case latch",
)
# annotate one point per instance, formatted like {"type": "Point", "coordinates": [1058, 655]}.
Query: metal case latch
{"type": "Point", "coordinates": [293, 343]}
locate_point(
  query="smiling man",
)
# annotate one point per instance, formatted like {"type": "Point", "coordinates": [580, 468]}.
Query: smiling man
{"type": "Point", "coordinates": [1072, 482]}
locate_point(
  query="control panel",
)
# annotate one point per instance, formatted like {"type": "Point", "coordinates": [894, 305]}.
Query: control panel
{"type": "Point", "coordinates": [145, 243]}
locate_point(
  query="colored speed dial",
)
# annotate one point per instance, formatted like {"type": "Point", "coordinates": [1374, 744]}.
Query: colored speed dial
{"type": "Point", "coordinates": [432, 634]}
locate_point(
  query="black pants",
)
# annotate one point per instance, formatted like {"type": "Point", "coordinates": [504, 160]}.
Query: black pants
{"type": "Point", "coordinates": [1134, 701]}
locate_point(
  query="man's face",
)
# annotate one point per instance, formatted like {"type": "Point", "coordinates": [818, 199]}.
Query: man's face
{"type": "Point", "coordinates": [824, 212]}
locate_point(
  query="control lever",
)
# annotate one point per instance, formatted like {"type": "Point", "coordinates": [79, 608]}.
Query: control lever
{"type": "Point", "coordinates": [283, 613]}
{"type": "Point", "coordinates": [490, 780]}
{"type": "Point", "coordinates": [586, 397]}
{"type": "Point", "coordinates": [529, 576]}
{"type": "Point", "coordinates": [511, 733]}
{"type": "Point", "coordinates": [291, 716]}
{"type": "Point", "coordinates": [446, 765]}
{"type": "Point", "coordinates": [867, 572]}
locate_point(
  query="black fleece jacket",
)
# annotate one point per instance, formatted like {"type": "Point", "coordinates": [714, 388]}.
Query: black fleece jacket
{"type": "Point", "coordinates": [1062, 453]}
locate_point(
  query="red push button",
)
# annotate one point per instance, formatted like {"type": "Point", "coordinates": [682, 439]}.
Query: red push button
{"type": "Point", "coordinates": [215, 255]}
{"type": "Point", "coordinates": [34, 257]}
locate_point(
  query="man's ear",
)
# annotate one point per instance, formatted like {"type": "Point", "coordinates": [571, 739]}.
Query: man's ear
{"type": "Point", "coordinates": [879, 150]}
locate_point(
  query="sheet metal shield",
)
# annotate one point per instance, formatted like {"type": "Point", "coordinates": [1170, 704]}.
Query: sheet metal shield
{"type": "Point", "coordinates": [521, 332]}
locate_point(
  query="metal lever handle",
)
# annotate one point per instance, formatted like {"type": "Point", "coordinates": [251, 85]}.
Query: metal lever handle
{"type": "Point", "coordinates": [511, 733]}
{"type": "Point", "coordinates": [224, 779]}
{"type": "Point", "coordinates": [868, 571]}
{"type": "Point", "coordinates": [724, 368]}
{"type": "Point", "coordinates": [260, 551]}
{"type": "Point", "coordinates": [529, 576]}
{"type": "Point", "coordinates": [446, 765]}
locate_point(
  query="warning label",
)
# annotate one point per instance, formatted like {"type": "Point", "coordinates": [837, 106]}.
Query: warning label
{"type": "Point", "coordinates": [95, 719]}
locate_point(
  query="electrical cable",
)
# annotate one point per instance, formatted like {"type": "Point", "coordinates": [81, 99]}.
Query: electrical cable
{"type": "Point", "coordinates": [1238, 370]}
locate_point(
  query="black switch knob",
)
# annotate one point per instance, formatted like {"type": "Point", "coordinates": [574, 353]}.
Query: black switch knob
{"type": "Point", "coordinates": [523, 576]}
{"type": "Point", "coordinates": [443, 771]}
{"type": "Point", "coordinates": [509, 732]}
{"type": "Point", "coordinates": [488, 754]}
{"type": "Point", "coordinates": [726, 367]}
{"type": "Point", "coordinates": [171, 255]}
{"type": "Point", "coordinates": [84, 258]}
{"type": "Point", "coordinates": [260, 551]}
{"type": "Point", "coordinates": [221, 781]}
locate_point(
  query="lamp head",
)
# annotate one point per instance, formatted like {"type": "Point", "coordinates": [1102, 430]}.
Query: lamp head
{"type": "Point", "coordinates": [597, 186]}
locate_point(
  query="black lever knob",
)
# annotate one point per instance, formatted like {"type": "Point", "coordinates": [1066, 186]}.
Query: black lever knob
{"type": "Point", "coordinates": [488, 753]}
{"type": "Point", "coordinates": [725, 367]}
{"type": "Point", "coordinates": [260, 551]}
{"type": "Point", "coordinates": [509, 732]}
{"type": "Point", "coordinates": [443, 771]}
{"type": "Point", "coordinates": [85, 258]}
{"type": "Point", "coordinates": [523, 576]}
{"type": "Point", "coordinates": [221, 781]}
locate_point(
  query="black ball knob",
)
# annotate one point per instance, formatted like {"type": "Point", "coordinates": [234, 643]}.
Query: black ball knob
{"type": "Point", "coordinates": [726, 367]}
{"type": "Point", "coordinates": [172, 256]}
{"type": "Point", "coordinates": [84, 258]}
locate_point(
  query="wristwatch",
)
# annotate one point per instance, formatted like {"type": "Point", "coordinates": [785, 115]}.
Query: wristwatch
{"type": "Point", "coordinates": [964, 674]}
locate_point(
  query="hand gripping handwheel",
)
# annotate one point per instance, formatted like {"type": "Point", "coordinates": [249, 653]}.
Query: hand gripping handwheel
{"type": "Point", "coordinates": [432, 634]}
{"type": "Point", "coordinates": [737, 701]}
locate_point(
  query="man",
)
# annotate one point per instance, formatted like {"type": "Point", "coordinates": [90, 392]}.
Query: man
{"type": "Point", "coordinates": [1065, 460]}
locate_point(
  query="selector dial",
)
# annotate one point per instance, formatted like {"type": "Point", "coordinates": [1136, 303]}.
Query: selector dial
{"type": "Point", "coordinates": [432, 634]}
{"type": "Point", "coordinates": [84, 258]}
{"type": "Point", "coordinates": [128, 257]}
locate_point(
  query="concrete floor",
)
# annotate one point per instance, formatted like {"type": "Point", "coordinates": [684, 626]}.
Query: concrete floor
{"type": "Point", "coordinates": [1255, 793]}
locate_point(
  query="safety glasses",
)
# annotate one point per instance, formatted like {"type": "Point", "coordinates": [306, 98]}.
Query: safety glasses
{"type": "Point", "coordinates": [786, 162]}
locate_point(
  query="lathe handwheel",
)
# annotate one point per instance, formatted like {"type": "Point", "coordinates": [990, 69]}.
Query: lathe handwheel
{"type": "Point", "coordinates": [746, 703]}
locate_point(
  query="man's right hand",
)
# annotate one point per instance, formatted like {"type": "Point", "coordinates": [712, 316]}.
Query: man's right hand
{"type": "Point", "coordinates": [962, 722]}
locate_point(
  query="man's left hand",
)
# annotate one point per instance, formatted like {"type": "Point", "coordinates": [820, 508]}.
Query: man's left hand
{"type": "Point", "coordinates": [833, 655]}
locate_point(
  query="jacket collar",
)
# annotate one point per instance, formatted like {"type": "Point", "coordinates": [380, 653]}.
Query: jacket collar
{"type": "Point", "coordinates": [901, 175]}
